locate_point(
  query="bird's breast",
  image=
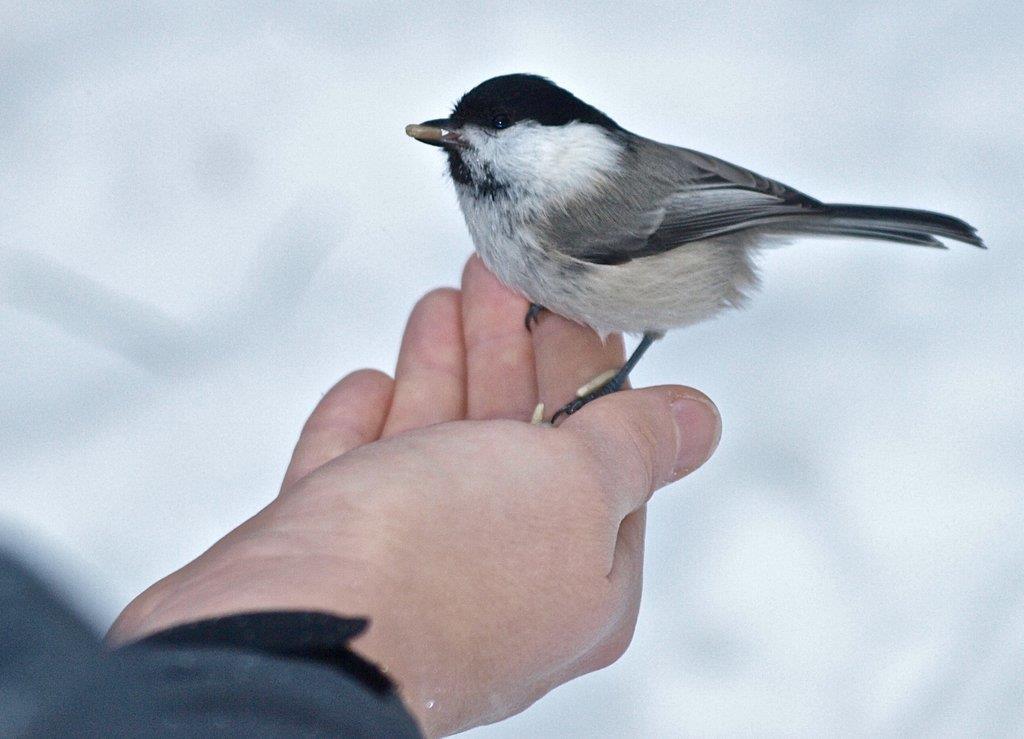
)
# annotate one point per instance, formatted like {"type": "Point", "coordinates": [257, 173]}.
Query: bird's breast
{"type": "Point", "coordinates": [505, 241]}
{"type": "Point", "coordinates": [511, 247]}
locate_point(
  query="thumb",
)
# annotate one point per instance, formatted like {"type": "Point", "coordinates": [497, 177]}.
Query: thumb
{"type": "Point", "coordinates": [645, 439]}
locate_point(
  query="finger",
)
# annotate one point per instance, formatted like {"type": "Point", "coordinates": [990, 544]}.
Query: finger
{"type": "Point", "coordinates": [567, 355]}
{"type": "Point", "coordinates": [349, 415]}
{"type": "Point", "coordinates": [500, 380]}
{"type": "Point", "coordinates": [430, 378]}
{"type": "Point", "coordinates": [641, 440]}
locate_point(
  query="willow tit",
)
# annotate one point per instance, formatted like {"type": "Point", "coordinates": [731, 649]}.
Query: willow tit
{"type": "Point", "coordinates": [622, 233]}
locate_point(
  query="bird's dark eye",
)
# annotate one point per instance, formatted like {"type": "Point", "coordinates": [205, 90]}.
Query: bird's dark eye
{"type": "Point", "coordinates": [501, 120]}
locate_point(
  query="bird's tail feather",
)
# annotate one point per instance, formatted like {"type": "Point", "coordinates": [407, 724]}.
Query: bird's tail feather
{"type": "Point", "coordinates": [892, 224]}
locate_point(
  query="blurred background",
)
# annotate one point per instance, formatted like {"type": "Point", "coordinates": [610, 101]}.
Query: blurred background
{"type": "Point", "coordinates": [209, 213]}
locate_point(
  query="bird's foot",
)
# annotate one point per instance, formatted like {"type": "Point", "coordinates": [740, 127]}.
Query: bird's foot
{"type": "Point", "coordinates": [533, 315]}
{"type": "Point", "coordinates": [605, 383]}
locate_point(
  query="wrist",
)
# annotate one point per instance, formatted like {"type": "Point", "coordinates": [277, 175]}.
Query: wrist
{"type": "Point", "coordinates": [271, 572]}
{"type": "Point", "coordinates": [260, 566]}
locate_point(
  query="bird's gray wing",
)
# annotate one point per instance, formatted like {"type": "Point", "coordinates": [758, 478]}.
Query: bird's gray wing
{"type": "Point", "coordinates": [680, 196]}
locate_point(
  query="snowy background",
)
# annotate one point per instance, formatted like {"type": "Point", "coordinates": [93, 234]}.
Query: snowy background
{"type": "Point", "coordinates": [208, 214]}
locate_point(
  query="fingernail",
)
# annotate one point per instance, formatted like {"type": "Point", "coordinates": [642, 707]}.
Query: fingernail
{"type": "Point", "coordinates": [700, 428]}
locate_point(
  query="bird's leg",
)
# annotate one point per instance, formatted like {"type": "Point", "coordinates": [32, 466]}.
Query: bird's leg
{"type": "Point", "coordinates": [532, 315]}
{"type": "Point", "coordinates": [601, 386]}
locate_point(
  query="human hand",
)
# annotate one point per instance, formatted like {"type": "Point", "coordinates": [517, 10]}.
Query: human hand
{"type": "Point", "coordinates": [495, 559]}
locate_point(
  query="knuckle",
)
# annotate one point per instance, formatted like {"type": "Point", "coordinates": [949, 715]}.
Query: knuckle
{"type": "Point", "coordinates": [616, 450]}
{"type": "Point", "coordinates": [639, 442]}
{"type": "Point", "coordinates": [590, 460]}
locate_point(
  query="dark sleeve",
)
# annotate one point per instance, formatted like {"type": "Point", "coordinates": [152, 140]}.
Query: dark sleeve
{"type": "Point", "coordinates": [285, 674]}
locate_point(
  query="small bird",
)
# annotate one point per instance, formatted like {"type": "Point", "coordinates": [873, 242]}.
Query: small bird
{"type": "Point", "coordinates": [619, 232]}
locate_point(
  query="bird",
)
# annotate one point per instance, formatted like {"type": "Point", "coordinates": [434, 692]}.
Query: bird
{"type": "Point", "coordinates": [622, 233]}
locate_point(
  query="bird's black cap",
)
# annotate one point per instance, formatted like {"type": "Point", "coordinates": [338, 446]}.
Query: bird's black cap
{"type": "Point", "coordinates": [503, 101]}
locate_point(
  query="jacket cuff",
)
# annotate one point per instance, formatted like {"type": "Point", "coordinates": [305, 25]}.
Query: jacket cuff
{"type": "Point", "coordinates": [301, 635]}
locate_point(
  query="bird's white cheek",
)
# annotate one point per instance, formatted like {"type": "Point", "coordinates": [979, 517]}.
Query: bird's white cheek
{"type": "Point", "coordinates": [553, 160]}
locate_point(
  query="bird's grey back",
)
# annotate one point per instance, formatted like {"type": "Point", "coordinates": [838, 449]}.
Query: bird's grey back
{"type": "Point", "coordinates": [660, 197]}
{"type": "Point", "coordinates": [664, 197]}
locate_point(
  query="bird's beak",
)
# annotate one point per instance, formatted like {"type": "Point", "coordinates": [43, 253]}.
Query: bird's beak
{"type": "Point", "coordinates": [439, 132]}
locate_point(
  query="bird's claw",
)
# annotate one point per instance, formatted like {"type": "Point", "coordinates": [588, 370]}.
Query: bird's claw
{"type": "Point", "coordinates": [533, 315]}
{"type": "Point", "coordinates": [607, 386]}
{"type": "Point", "coordinates": [574, 405]}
